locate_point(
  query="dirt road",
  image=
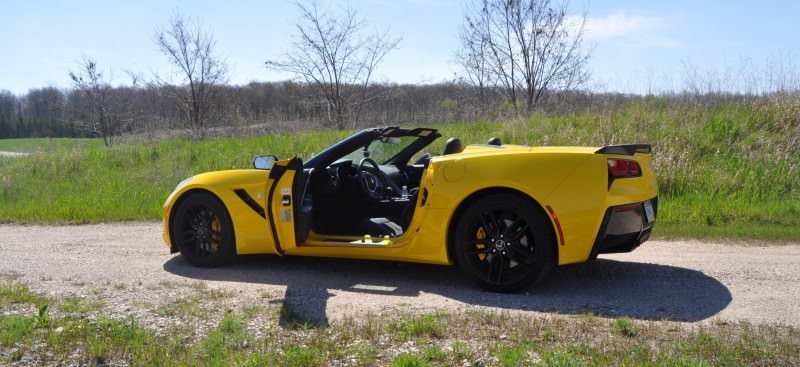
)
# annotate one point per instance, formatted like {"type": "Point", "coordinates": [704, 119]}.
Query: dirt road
{"type": "Point", "coordinates": [128, 265]}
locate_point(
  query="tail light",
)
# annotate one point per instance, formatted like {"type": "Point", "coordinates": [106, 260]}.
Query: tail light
{"type": "Point", "coordinates": [620, 168]}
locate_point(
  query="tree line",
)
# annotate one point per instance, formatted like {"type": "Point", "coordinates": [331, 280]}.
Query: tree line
{"type": "Point", "coordinates": [267, 107]}
{"type": "Point", "coordinates": [515, 58]}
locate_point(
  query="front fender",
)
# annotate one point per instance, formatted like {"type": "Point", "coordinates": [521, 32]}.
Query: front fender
{"type": "Point", "coordinates": [251, 231]}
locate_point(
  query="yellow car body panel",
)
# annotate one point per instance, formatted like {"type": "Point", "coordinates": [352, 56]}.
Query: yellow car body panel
{"type": "Point", "coordinates": [570, 184]}
{"type": "Point", "coordinates": [252, 232]}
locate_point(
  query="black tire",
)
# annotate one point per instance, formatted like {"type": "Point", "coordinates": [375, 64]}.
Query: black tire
{"type": "Point", "coordinates": [202, 231]}
{"type": "Point", "coordinates": [503, 242]}
{"type": "Point", "coordinates": [593, 255]}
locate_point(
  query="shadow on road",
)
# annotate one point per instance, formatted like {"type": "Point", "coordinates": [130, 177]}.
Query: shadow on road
{"type": "Point", "coordinates": [604, 287]}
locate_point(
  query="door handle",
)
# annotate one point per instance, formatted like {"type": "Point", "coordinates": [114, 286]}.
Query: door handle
{"type": "Point", "coordinates": [286, 200]}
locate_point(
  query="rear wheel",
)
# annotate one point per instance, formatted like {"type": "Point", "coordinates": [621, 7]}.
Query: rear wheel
{"type": "Point", "coordinates": [202, 231]}
{"type": "Point", "coordinates": [503, 242]}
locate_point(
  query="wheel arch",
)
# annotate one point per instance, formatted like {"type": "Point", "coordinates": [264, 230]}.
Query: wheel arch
{"type": "Point", "coordinates": [177, 203]}
{"type": "Point", "coordinates": [466, 202]}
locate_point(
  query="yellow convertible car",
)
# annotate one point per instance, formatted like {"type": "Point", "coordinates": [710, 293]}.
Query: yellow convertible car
{"type": "Point", "coordinates": [503, 213]}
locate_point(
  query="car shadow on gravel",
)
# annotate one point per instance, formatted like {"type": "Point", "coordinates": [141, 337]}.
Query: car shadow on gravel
{"type": "Point", "coordinates": [603, 287]}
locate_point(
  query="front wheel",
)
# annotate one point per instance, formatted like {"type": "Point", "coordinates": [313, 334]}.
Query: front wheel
{"type": "Point", "coordinates": [503, 242]}
{"type": "Point", "coordinates": [202, 231]}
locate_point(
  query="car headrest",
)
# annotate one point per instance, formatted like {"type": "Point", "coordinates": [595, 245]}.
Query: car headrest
{"type": "Point", "coordinates": [453, 145]}
{"type": "Point", "coordinates": [423, 158]}
{"type": "Point", "coordinates": [494, 141]}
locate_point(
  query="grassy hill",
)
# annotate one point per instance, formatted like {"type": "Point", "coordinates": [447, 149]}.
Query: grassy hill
{"type": "Point", "coordinates": [727, 171]}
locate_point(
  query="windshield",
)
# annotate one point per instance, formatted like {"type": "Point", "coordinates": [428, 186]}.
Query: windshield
{"type": "Point", "coordinates": [381, 150]}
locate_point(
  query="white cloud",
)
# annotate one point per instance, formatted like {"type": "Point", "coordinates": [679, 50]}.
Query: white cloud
{"type": "Point", "coordinates": [621, 24]}
{"type": "Point", "coordinates": [632, 30]}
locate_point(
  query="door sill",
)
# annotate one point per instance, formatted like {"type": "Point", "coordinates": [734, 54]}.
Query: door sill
{"type": "Point", "coordinates": [349, 241]}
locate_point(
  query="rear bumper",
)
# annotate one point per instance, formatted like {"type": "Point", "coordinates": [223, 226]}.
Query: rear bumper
{"type": "Point", "coordinates": [625, 227]}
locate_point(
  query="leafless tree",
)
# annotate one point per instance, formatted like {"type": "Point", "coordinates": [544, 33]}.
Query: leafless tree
{"type": "Point", "coordinates": [106, 115]}
{"type": "Point", "coordinates": [189, 47]}
{"type": "Point", "coordinates": [473, 58]}
{"type": "Point", "coordinates": [525, 47]}
{"type": "Point", "coordinates": [335, 53]}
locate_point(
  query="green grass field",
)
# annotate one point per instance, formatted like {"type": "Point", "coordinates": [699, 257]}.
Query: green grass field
{"type": "Point", "coordinates": [35, 145]}
{"type": "Point", "coordinates": [724, 172]}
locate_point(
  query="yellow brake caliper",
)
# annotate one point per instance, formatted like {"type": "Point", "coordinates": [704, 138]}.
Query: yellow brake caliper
{"type": "Point", "coordinates": [216, 226]}
{"type": "Point", "coordinates": [481, 235]}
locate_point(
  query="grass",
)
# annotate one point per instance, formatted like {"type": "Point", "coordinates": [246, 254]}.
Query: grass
{"type": "Point", "coordinates": [34, 145]}
{"type": "Point", "coordinates": [463, 338]}
{"type": "Point", "coordinates": [18, 293]}
{"type": "Point", "coordinates": [624, 327]}
{"type": "Point", "coordinates": [425, 326]}
{"type": "Point", "coordinates": [724, 172]}
{"type": "Point", "coordinates": [192, 304]}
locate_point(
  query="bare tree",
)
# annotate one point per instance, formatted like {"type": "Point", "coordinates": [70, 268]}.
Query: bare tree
{"type": "Point", "coordinates": [106, 115]}
{"type": "Point", "coordinates": [526, 47]}
{"type": "Point", "coordinates": [189, 47]}
{"type": "Point", "coordinates": [473, 58]}
{"type": "Point", "coordinates": [335, 53]}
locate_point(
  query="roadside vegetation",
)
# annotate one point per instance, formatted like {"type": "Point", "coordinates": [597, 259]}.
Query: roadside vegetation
{"type": "Point", "coordinates": [38, 330]}
{"type": "Point", "coordinates": [725, 171]}
{"type": "Point", "coordinates": [36, 145]}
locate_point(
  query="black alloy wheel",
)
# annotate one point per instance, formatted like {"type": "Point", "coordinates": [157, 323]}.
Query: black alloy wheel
{"type": "Point", "coordinates": [202, 231]}
{"type": "Point", "coordinates": [503, 242]}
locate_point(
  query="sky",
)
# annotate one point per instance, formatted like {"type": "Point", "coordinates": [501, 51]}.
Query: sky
{"type": "Point", "coordinates": [636, 44]}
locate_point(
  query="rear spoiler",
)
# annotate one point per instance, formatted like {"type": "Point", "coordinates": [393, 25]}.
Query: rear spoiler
{"type": "Point", "coordinates": [625, 149]}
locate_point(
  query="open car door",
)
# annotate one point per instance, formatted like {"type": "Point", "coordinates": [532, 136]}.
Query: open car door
{"type": "Point", "coordinates": [288, 217]}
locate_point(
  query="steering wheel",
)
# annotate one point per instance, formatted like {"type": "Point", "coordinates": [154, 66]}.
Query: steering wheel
{"type": "Point", "coordinates": [373, 180]}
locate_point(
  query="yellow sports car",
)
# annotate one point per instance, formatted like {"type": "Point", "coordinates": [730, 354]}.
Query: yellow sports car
{"type": "Point", "coordinates": [503, 213]}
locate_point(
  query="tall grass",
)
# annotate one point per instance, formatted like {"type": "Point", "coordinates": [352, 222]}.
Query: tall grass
{"type": "Point", "coordinates": [730, 170]}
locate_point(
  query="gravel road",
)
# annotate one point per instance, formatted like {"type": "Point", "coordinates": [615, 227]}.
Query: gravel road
{"type": "Point", "coordinates": [130, 268]}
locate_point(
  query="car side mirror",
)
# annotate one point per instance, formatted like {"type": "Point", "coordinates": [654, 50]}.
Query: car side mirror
{"type": "Point", "coordinates": [264, 161]}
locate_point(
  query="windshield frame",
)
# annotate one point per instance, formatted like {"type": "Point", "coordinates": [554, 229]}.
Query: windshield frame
{"type": "Point", "coordinates": [425, 136]}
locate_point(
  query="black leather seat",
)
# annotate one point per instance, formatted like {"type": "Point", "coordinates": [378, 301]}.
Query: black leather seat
{"type": "Point", "coordinates": [453, 145]}
{"type": "Point", "coordinates": [494, 141]}
{"type": "Point", "coordinates": [423, 159]}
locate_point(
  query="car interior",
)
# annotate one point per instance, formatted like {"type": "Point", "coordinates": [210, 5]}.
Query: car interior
{"type": "Point", "coordinates": [370, 187]}
{"type": "Point", "coordinates": [371, 190]}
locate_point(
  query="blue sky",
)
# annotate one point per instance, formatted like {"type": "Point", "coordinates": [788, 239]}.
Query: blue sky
{"type": "Point", "coordinates": [637, 43]}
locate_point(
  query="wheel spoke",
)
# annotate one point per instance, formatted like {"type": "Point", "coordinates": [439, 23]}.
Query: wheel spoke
{"type": "Point", "coordinates": [188, 235]}
{"type": "Point", "coordinates": [520, 256]}
{"type": "Point", "coordinates": [513, 224]}
{"type": "Point", "coordinates": [475, 241]}
{"type": "Point", "coordinates": [188, 217]}
{"type": "Point", "coordinates": [485, 224]}
{"type": "Point", "coordinates": [491, 267]}
{"type": "Point", "coordinates": [495, 223]}
{"type": "Point", "coordinates": [479, 251]}
{"type": "Point", "coordinates": [500, 271]}
{"type": "Point", "coordinates": [198, 250]}
{"type": "Point", "coordinates": [519, 233]}
{"type": "Point", "coordinates": [202, 218]}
